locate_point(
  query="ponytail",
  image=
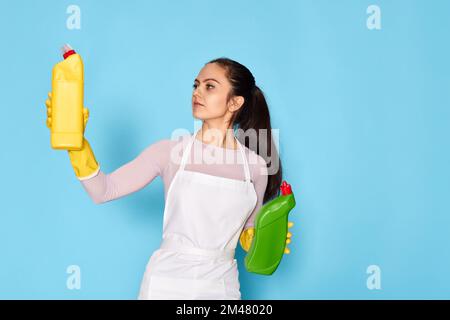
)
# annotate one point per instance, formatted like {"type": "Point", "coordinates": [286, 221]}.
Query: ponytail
{"type": "Point", "coordinates": [254, 114]}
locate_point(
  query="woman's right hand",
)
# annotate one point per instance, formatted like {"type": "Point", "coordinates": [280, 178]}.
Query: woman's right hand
{"type": "Point", "coordinates": [48, 103]}
{"type": "Point", "coordinates": [83, 161]}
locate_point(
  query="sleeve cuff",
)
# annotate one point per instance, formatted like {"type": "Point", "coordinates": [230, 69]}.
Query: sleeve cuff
{"type": "Point", "coordinates": [91, 175]}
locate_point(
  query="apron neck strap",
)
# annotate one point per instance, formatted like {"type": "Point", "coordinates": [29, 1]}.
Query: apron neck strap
{"type": "Point", "coordinates": [246, 166]}
{"type": "Point", "coordinates": [187, 152]}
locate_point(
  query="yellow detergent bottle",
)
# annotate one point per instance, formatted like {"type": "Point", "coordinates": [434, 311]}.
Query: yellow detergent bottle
{"type": "Point", "coordinates": [66, 130]}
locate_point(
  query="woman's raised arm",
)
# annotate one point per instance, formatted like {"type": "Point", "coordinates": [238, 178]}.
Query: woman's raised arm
{"type": "Point", "coordinates": [130, 177]}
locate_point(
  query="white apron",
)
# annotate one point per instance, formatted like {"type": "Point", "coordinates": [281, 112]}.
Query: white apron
{"type": "Point", "coordinates": [203, 218]}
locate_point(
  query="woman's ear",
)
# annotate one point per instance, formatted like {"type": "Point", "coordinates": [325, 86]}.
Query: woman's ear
{"type": "Point", "coordinates": [236, 103]}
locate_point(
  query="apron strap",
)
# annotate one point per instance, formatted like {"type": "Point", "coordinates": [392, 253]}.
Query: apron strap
{"type": "Point", "coordinates": [187, 152]}
{"type": "Point", "coordinates": [246, 166]}
{"type": "Point", "coordinates": [172, 244]}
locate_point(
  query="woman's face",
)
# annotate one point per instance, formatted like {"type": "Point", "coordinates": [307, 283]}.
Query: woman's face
{"type": "Point", "coordinates": [210, 91]}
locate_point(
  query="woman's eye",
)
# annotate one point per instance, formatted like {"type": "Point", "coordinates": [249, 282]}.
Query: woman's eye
{"type": "Point", "coordinates": [207, 86]}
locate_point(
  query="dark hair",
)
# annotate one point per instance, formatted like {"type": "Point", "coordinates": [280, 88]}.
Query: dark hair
{"type": "Point", "coordinates": [254, 114]}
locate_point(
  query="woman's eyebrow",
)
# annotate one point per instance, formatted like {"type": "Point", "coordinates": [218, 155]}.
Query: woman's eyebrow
{"type": "Point", "coordinates": [207, 80]}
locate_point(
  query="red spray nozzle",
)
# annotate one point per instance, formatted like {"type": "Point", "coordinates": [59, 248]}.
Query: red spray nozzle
{"type": "Point", "coordinates": [67, 51]}
{"type": "Point", "coordinates": [285, 188]}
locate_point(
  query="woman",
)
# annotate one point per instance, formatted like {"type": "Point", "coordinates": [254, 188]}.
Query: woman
{"type": "Point", "coordinates": [209, 206]}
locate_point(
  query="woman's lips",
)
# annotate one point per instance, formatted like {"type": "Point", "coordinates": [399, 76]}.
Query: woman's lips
{"type": "Point", "coordinates": [196, 104]}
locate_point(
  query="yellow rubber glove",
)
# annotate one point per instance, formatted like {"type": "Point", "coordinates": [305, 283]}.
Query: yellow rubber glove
{"type": "Point", "coordinates": [248, 234]}
{"type": "Point", "coordinates": [83, 161]}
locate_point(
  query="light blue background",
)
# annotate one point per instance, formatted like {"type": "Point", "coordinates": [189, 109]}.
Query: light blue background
{"type": "Point", "coordinates": [364, 129]}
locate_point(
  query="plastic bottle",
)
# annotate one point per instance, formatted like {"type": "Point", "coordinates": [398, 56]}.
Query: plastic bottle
{"type": "Point", "coordinates": [269, 241]}
{"type": "Point", "coordinates": [67, 102]}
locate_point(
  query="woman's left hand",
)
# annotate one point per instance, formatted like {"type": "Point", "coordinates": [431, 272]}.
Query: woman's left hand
{"type": "Point", "coordinates": [246, 238]}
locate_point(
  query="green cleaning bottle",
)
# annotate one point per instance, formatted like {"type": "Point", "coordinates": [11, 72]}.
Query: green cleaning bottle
{"type": "Point", "coordinates": [269, 241]}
